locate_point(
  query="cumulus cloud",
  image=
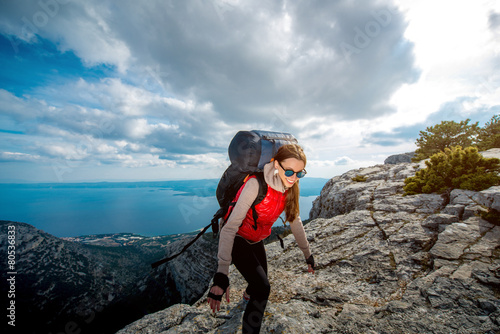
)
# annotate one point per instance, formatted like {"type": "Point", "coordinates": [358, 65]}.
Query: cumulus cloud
{"type": "Point", "coordinates": [18, 157]}
{"type": "Point", "coordinates": [245, 58]}
{"type": "Point", "coordinates": [457, 110]}
{"type": "Point", "coordinates": [75, 132]}
{"type": "Point", "coordinates": [494, 21]}
{"type": "Point", "coordinates": [343, 161]}
{"type": "Point", "coordinates": [217, 66]}
{"type": "Point", "coordinates": [170, 82]}
{"type": "Point", "coordinates": [72, 25]}
{"type": "Point", "coordinates": [258, 58]}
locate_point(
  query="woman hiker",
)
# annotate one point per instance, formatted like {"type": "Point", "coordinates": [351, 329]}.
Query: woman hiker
{"type": "Point", "coordinates": [242, 244]}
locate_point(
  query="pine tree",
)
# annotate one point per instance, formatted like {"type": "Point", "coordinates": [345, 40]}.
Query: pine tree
{"type": "Point", "coordinates": [445, 135]}
{"type": "Point", "coordinates": [489, 136]}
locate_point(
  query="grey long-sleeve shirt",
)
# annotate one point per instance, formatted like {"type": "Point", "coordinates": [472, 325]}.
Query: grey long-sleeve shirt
{"type": "Point", "coordinates": [247, 197]}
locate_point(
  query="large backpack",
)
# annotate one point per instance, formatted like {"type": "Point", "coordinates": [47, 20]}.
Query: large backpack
{"type": "Point", "coordinates": [248, 152]}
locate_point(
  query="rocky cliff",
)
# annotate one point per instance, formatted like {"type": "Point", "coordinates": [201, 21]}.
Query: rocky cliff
{"type": "Point", "coordinates": [386, 263]}
{"type": "Point", "coordinates": [61, 286]}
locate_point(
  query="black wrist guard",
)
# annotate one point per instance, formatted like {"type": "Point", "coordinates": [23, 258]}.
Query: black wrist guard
{"type": "Point", "coordinates": [221, 280]}
{"type": "Point", "coordinates": [310, 260]}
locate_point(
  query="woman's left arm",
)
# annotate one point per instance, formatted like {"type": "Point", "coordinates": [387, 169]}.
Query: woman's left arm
{"type": "Point", "coordinates": [300, 237]}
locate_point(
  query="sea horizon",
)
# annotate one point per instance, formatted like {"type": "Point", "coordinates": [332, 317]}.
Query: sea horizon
{"type": "Point", "coordinates": [147, 208]}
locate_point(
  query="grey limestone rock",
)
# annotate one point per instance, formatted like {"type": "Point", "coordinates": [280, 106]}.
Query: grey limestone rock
{"type": "Point", "coordinates": [399, 158]}
{"type": "Point", "coordinates": [385, 263]}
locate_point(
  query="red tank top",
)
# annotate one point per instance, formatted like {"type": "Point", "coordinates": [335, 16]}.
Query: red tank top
{"type": "Point", "coordinates": [268, 211]}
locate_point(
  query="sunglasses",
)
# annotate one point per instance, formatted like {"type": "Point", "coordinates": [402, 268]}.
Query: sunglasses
{"type": "Point", "coordinates": [289, 172]}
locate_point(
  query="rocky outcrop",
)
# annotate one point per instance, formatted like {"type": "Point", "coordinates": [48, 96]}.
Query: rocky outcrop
{"type": "Point", "coordinates": [386, 263]}
{"type": "Point", "coordinates": [399, 158]}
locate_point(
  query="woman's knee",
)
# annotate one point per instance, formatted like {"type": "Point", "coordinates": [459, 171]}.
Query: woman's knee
{"type": "Point", "coordinates": [261, 290]}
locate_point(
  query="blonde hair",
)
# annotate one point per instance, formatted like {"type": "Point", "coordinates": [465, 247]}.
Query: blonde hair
{"type": "Point", "coordinates": [288, 151]}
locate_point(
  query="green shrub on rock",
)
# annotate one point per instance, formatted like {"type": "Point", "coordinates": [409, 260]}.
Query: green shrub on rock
{"type": "Point", "coordinates": [455, 168]}
{"type": "Point", "coordinates": [359, 178]}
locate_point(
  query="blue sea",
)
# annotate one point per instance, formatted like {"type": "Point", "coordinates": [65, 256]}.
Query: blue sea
{"type": "Point", "coordinates": [145, 208]}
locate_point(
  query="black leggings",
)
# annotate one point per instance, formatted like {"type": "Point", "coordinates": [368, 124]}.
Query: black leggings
{"type": "Point", "coordinates": [251, 261]}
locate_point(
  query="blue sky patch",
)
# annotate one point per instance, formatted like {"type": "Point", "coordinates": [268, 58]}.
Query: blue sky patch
{"type": "Point", "coordinates": [26, 67]}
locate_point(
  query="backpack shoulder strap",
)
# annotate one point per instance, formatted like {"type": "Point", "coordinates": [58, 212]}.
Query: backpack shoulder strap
{"type": "Point", "coordinates": [262, 188]}
{"type": "Point", "coordinates": [260, 196]}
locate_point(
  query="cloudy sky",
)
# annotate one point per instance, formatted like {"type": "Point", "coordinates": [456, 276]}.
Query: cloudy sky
{"type": "Point", "coordinates": [154, 90]}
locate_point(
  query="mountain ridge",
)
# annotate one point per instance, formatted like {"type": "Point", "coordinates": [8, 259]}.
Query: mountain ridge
{"type": "Point", "coordinates": [60, 283]}
{"type": "Point", "coordinates": [386, 263]}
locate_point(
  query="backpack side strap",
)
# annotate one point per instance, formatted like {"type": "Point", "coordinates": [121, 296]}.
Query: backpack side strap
{"type": "Point", "coordinates": [158, 263]}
